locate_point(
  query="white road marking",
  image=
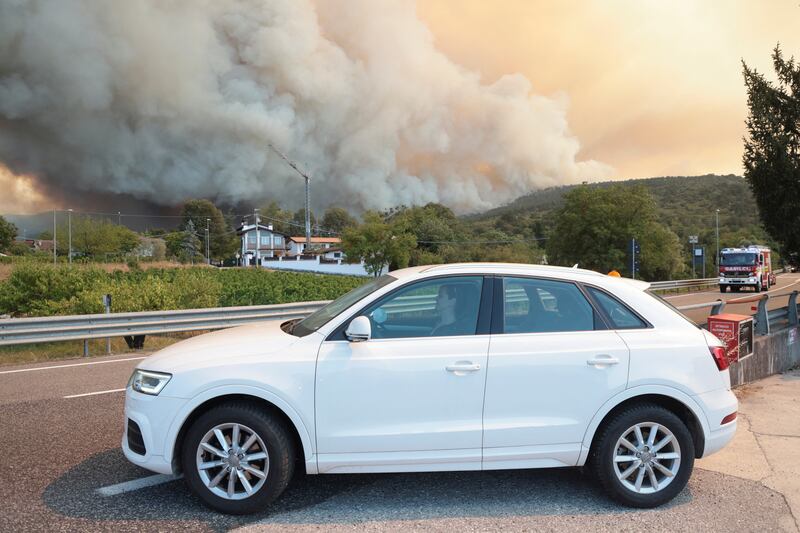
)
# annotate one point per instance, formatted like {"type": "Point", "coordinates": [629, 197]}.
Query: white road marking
{"type": "Point", "coordinates": [70, 365]}
{"type": "Point", "coordinates": [93, 393]}
{"type": "Point", "coordinates": [136, 484]}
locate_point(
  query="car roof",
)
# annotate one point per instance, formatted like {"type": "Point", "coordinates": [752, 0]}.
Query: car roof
{"type": "Point", "coordinates": [578, 274]}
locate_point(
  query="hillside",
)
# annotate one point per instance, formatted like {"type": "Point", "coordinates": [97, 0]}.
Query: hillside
{"type": "Point", "coordinates": [686, 204]}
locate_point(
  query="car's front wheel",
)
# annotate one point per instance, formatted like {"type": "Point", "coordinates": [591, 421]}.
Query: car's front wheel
{"type": "Point", "coordinates": [643, 456]}
{"type": "Point", "coordinates": [237, 458]}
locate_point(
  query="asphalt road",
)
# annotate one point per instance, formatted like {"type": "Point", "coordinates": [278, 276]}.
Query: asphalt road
{"type": "Point", "coordinates": [57, 449]}
{"type": "Point", "coordinates": [786, 284]}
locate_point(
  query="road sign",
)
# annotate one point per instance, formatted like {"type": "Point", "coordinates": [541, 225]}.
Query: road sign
{"type": "Point", "coordinates": [693, 239]}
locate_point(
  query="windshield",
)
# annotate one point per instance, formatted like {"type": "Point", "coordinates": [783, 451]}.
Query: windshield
{"type": "Point", "coordinates": [738, 259]}
{"type": "Point", "coordinates": [322, 316]}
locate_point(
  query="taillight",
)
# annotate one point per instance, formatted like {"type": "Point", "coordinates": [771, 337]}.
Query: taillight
{"type": "Point", "coordinates": [730, 418]}
{"type": "Point", "coordinates": [720, 357]}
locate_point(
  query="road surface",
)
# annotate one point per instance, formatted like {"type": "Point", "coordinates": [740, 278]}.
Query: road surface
{"type": "Point", "coordinates": [61, 469]}
{"type": "Point", "coordinates": [786, 284]}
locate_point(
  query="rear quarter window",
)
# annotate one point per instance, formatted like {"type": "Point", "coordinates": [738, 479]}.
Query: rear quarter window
{"type": "Point", "coordinates": [621, 316]}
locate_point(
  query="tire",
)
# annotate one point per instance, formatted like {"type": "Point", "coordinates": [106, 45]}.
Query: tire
{"type": "Point", "coordinates": [277, 463]}
{"type": "Point", "coordinates": [722, 288]}
{"type": "Point", "coordinates": [758, 287]}
{"type": "Point", "coordinates": [619, 479]}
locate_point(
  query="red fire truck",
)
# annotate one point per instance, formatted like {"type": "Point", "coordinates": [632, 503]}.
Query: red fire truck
{"type": "Point", "coordinates": [746, 267]}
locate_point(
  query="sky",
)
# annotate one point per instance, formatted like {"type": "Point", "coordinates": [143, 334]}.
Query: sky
{"type": "Point", "coordinates": [549, 91]}
{"type": "Point", "coordinates": [654, 88]}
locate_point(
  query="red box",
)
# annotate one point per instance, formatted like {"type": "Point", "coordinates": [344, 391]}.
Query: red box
{"type": "Point", "coordinates": [736, 332]}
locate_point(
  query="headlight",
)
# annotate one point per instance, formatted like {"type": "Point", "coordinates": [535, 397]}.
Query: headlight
{"type": "Point", "coordinates": [148, 382]}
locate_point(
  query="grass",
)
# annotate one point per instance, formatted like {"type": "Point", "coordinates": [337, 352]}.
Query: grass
{"type": "Point", "coordinates": [56, 351]}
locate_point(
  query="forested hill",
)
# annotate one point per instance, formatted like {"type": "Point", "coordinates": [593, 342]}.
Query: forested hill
{"type": "Point", "coordinates": [686, 204]}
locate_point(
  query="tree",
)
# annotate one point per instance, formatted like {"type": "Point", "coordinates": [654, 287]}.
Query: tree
{"type": "Point", "coordinates": [378, 244]}
{"type": "Point", "coordinates": [595, 226]}
{"type": "Point", "coordinates": [772, 149]}
{"type": "Point", "coordinates": [337, 220]}
{"type": "Point", "coordinates": [8, 232]}
{"type": "Point", "coordinates": [299, 222]}
{"type": "Point", "coordinates": [96, 238]}
{"type": "Point", "coordinates": [433, 225]}
{"type": "Point", "coordinates": [203, 214]}
{"type": "Point", "coordinates": [279, 218]}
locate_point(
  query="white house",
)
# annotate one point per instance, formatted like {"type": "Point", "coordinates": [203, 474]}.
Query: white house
{"type": "Point", "coordinates": [260, 243]}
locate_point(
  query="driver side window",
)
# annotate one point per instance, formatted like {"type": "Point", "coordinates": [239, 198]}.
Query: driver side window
{"type": "Point", "coordinates": [435, 308]}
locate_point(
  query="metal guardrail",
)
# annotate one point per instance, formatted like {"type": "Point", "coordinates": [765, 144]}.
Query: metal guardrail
{"type": "Point", "coordinates": [683, 284]}
{"type": "Point", "coordinates": [84, 327]}
{"type": "Point", "coordinates": [764, 320]}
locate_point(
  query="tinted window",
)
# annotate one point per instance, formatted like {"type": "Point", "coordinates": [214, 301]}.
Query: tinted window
{"type": "Point", "coordinates": [621, 316]}
{"type": "Point", "coordinates": [434, 308]}
{"type": "Point", "coordinates": [538, 306]}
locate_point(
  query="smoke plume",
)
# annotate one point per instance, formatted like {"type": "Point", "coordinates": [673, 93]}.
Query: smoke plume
{"type": "Point", "coordinates": [165, 100]}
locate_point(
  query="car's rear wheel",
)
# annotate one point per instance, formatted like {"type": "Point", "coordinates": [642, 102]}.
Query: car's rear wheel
{"type": "Point", "coordinates": [237, 458]}
{"type": "Point", "coordinates": [643, 456]}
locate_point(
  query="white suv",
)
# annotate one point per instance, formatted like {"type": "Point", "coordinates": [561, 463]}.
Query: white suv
{"type": "Point", "coordinates": [449, 367]}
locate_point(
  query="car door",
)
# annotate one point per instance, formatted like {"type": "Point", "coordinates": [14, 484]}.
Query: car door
{"type": "Point", "coordinates": [410, 397]}
{"type": "Point", "coordinates": [552, 365]}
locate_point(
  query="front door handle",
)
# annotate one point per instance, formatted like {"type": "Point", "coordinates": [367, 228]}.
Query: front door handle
{"type": "Point", "coordinates": [602, 360]}
{"type": "Point", "coordinates": [465, 366]}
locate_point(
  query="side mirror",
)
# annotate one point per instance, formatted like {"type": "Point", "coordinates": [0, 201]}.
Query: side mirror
{"type": "Point", "coordinates": [359, 329]}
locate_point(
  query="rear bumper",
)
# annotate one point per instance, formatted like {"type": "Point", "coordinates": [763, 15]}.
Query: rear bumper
{"type": "Point", "coordinates": [717, 405]}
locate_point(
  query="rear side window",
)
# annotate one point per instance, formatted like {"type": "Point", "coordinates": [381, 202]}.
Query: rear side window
{"type": "Point", "coordinates": [542, 306]}
{"type": "Point", "coordinates": [620, 315]}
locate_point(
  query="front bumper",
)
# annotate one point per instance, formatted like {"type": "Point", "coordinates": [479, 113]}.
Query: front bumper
{"type": "Point", "coordinates": [738, 281]}
{"type": "Point", "coordinates": [154, 415]}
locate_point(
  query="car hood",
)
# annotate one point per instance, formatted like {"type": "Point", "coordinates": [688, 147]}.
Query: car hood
{"type": "Point", "coordinates": [226, 346]}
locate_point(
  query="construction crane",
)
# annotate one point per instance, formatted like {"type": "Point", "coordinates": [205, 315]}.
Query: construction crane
{"type": "Point", "coordinates": [308, 192]}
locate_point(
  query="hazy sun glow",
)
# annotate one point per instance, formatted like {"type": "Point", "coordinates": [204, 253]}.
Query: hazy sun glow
{"type": "Point", "coordinates": [655, 88]}
{"type": "Point", "coordinates": [18, 194]}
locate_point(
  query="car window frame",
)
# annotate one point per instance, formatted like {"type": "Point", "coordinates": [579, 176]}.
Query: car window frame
{"type": "Point", "coordinates": [607, 317]}
{"type": "Point", "coordinates": [498, 307]}
{"type": "Point", "coordinates": [483, 326]}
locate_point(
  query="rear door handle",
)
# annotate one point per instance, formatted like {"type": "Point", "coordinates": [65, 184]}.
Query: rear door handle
{"type": "Point", "coordinates": [463, 367]}
{"type": "Point", "coordinates": [602, 360]}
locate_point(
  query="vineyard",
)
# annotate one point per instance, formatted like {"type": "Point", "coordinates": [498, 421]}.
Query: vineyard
{"type": "Point", "coordinates": [36, 289]}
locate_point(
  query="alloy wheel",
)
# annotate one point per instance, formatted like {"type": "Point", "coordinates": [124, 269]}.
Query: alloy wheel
{"type": "Point", "coordinates": [232, 461]}
{"type": "Point", "coordinates": [647, 457]}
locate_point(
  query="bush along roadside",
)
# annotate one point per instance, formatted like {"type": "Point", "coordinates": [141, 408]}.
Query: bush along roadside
{"type": "Point", "coordinates": [45, 290]}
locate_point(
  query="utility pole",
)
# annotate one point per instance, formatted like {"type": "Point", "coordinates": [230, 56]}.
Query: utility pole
{"type": "Point", "coordinates": [716, 261]}
{"type": "Point", "coordinates": [55, 257]}
{"type": "Point", "coordinates": [258, 238]}
{"type": "Point", "coordinates": [119, 218]}
{"type": "Point", "coordinates": [69, 225]}
{"type": "Point", "coordinates": [208, 241]}
{"type": "Point", "coordinates": [308, 192]}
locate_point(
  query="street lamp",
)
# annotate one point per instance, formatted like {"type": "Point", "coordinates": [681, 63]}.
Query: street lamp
{"type": "Point", "coordinates": [69, 225]}
{"type": "Point", "coordinates": [55, 242]}
{"type": "Point", "coordinates": [208, 246]}
{"type": "Point", "coordinates": [717, 259]}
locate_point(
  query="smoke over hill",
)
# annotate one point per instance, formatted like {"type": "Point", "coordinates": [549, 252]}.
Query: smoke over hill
{"type": "Point", "coordinates": [165, 100]}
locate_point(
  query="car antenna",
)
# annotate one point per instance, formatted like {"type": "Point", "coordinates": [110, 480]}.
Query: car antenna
{"type": "Point", "coordinates": [575, 265]}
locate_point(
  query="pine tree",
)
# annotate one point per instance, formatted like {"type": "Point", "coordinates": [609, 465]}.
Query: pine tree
{"type": "Point", "coordinates": [772, 149]}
